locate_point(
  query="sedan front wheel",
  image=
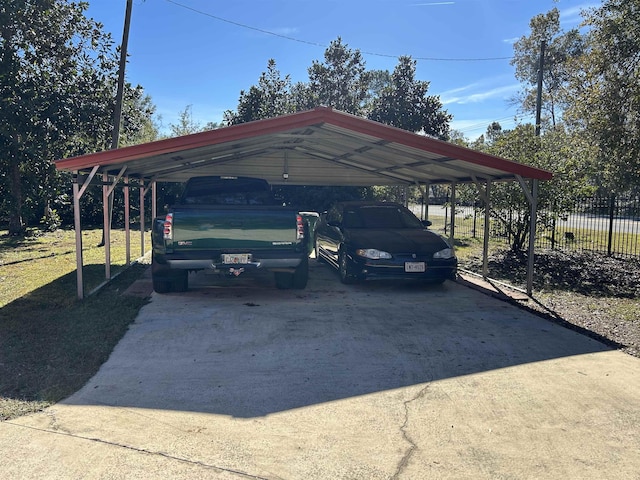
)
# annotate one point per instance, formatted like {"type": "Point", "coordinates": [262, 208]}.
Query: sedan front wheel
{"type": "Point", "coordinates": [345, 269]}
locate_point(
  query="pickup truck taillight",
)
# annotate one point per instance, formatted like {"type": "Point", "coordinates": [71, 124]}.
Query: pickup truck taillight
{"type": "Point", "coordinates": [168, 224]}
{"type": "Point", "coordinates": [299, 227]}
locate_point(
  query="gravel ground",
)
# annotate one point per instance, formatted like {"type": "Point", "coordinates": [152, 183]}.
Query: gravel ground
{"type": "Point", "coordinates": [592, 293]}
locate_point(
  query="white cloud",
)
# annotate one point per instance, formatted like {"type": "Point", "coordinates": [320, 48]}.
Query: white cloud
{"type": "Point", "coordinates": [285, 31]}
{"type": "Point", "coordinates": [470, 94]}
{"type": "Point", "coordinates": [475, 126]}
{"type": "Point", "coordinates": [472, 128]}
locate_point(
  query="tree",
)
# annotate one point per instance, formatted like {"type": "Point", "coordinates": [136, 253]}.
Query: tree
{"type": "Point", "coordinates": [341, 81]}
{"type": "Point", "coordinates": [604, 93]}
{"type": "Point", "coordinates": [186, 123]}
{"type": "Point", "coordinates": [270, 98]}
{"type": "Point", "coordinates": [557, 151]}
{"type": "Point", "coordinates": [138, 123]}
{"type": "Point", "coordinates": [404, 103]}
{"type": "Point", "coordinates": [560, 48]}
{"type": "Point", "coordinates": [56, 90]}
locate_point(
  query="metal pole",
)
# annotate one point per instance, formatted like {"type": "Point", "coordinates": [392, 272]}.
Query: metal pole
{"type": "Point", "coordinates": [427, 186]}
{"type": "Point", "coordinates": [612, 205]}
{"type": "Point", "coordinates": [453, 214]}
{"type": "Point", "coordinates": [154, 200]}
{"type": "Point", "coordinates": [76, 221]}
{"type": "Point", "coordinates": [539, 96]}
{"type": "Point", "coordinates": [485, 240]}
{"type": "Point", "coordinates": [532, 235]}
{"type": "Point", "coordinates": [106, 226]}
{"type": "Point", "coordinates": [127, 229]}
{"type": "Point", "coordinates": [142, 193]}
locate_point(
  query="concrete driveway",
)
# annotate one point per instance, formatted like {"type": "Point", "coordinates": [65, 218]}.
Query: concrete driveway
{"type": "Point", "coordinates": [239, 380]}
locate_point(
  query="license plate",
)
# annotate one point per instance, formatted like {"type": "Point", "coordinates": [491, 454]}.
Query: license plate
{"type": "Point", "coordinates": [236, 258]}
{"type": "Point", "coordinates": [414, 267]}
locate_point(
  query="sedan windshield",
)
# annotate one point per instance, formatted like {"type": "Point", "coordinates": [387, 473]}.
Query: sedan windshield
{"type": "Point", "coordinates": [376, 216]}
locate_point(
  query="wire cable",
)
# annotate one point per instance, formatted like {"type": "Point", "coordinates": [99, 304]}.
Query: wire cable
{"type": "Point", "coordinates": [315, 44]}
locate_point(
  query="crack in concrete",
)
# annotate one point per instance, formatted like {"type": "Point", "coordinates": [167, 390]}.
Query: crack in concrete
{"type": "Point", "coordinates": [404, 461]}
{"type": "Point", "coordinates": [58, 431]}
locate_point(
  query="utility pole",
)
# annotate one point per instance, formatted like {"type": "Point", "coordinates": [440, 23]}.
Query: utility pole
{"type": "Point", "coordinates": [539, 97]}
{"type": "Point", "coordinates": [117, 112]}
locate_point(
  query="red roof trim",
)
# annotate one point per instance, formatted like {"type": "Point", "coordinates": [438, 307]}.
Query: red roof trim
{"type": "Point", "coordinates": [297, 120]}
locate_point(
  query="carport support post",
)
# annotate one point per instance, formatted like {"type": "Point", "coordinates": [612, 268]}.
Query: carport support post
{"type": "Point", "coordinates": [154, 201]}
{"type": "Point", "coordinates": [487, 222]}
{"type": "Point", "coordinates": [425, 196]}
{"type": "Point", "coordinates": [127, 229]}
{"type": "Point", "coordinates": [77, 193]}
{"type": "Point", "coordinates": [453, 214]}
{"type": "Point", "coordinates": [106, 226]}
{"type": "Point", "coordinates": [422, 188]}
{"type": "Point", "coordinates": [142, 193]}
{"type": "Point", "coordinates": [532, 234]}
{"type": "Point", "coordinates": [78, 231]}
{"type": "Point", "coordinates": [532, 197]}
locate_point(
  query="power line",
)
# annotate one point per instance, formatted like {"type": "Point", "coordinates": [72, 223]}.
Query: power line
{"type": "Point", "coordinates": [315, 44]}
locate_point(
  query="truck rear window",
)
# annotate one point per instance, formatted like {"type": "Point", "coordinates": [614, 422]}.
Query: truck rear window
{"type": "Point", "coordinates": [227, 191]}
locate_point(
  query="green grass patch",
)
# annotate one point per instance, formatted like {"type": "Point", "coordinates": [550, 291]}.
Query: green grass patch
{"type": "Point", "coordinates": [51, 343]}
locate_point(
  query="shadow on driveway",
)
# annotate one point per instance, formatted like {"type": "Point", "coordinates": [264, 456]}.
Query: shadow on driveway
{"type": "Point", "coordinates": [245, 349]}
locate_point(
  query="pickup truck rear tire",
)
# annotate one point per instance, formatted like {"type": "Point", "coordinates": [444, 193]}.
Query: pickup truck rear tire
{"type": "Point", "coordinates": [159, 278]}
{"type": "Point", "coordinates": [301, 275]}
{"type": "Point", "coordinates": [180, 281]}
{"type": "Point", "coordinates": [176, 282]}
{"type": "Point", "coordinates": [165, 280]}
{"type": "Point", "coordinates": [160, 285]}
{"type": "Point", "coordinates": [297, 280]}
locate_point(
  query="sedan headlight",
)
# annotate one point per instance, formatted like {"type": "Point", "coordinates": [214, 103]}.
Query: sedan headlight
{"type": "Point", "coordinates": [444, 254]}
{"type": "Point", "coordinates": [372, 253]}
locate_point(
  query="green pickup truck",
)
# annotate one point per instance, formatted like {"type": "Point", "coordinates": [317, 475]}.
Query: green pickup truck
{"type": "Point", "coordinates": [233, 226]}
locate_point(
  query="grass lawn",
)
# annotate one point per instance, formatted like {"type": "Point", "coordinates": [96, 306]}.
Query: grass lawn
{"type": "Point", "coordinates": [51, 344]}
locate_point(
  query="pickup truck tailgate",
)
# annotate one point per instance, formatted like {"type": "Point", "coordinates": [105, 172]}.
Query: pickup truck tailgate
{"type": "Point", "coordinates": [250, 228]}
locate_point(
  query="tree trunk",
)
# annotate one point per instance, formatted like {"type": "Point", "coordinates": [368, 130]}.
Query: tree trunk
{"type": "Point", "coordinates": [16, 223]}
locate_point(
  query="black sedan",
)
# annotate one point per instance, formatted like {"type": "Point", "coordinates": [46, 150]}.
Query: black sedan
{"type": "Point", "coordinates": [381, 240]}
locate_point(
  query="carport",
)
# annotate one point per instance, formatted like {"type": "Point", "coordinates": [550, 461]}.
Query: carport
{"type": "Point", "coordinates": [320, 147]}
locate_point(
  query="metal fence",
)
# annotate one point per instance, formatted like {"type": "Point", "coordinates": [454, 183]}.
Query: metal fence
{"type": "Point", "coordinates": [608, 225]}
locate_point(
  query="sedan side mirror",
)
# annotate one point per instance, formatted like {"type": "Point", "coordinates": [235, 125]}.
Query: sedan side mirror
{"type": "Point", "coordinates": [427, 223]}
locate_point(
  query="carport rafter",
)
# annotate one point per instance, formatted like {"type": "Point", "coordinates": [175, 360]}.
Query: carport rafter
{"type": "Point", "coordinates": [157, 175]}
{"type": "Point", "coordinates": [368, 153]}
{"type": "Point", "coordinates": [354, 165]}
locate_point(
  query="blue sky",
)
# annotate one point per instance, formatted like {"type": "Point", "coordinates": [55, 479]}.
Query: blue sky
{"type": "Point", "coordinates": [202, 53]}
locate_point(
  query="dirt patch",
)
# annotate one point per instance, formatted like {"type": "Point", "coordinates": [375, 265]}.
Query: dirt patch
{"type": "Point", "coordinates": [590, 292]}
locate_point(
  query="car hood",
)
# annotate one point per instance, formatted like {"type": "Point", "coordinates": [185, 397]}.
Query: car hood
{"type": "Point", "coordinates": [406, 240]}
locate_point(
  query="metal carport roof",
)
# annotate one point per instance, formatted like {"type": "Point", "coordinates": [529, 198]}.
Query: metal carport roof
{"type": "Point", "coordinates": [316, 147]}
